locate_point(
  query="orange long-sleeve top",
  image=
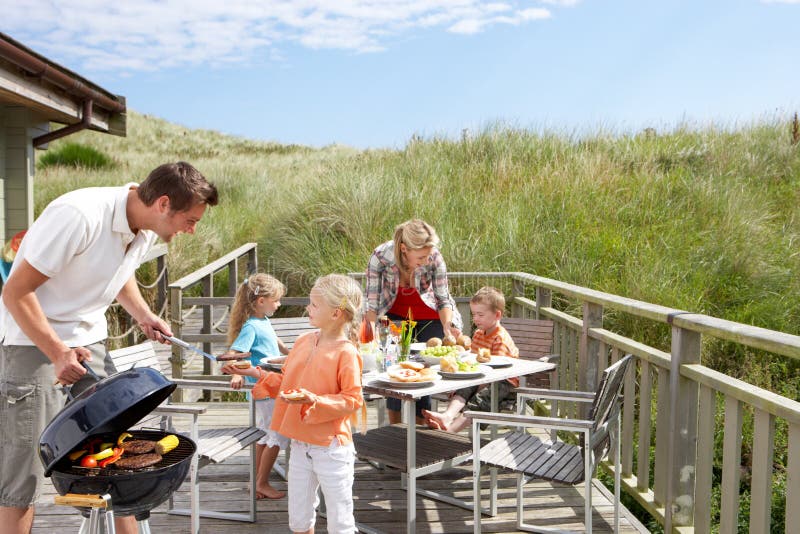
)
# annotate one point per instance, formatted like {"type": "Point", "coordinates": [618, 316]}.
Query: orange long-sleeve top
{"type": "Point", "coordinates": [499, 342]}
{"type": "Point", "coordinates": [333, 373]}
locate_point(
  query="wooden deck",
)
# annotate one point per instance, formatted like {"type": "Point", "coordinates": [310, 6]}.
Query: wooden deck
{"type": "Point", "coordinates": [379, 500]}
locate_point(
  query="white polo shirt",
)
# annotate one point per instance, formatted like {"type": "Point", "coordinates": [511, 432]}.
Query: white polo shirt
{"type": "Point", "coordinates": [83, 243]}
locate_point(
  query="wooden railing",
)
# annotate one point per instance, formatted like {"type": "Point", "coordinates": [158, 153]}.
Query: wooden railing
{"type": "Point", "coordinates": [670, 401]}
{"type": "Point", "coordinates": [180, 295]}
{"type": "Point", "coordinates": [121, 324]}
{"type": "Point", "coordinates": [683, 393]}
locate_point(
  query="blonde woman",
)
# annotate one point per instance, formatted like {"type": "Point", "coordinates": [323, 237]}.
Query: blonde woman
{"type": "Point", "coordinates": [250, 330]}
{"type": "Point", "coordinates": [409, 273]}
{"type": "Point", "coordinates": [317, 394]}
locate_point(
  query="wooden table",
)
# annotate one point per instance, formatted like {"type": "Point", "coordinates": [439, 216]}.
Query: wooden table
{"type": "Point", "coordinates": [427, 450]}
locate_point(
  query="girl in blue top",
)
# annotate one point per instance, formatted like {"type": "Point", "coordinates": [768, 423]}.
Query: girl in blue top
{"type": "Point", "coordinates": [251, 331]}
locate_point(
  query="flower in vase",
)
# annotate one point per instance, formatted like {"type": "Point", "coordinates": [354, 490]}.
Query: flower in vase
{"type": "Point", "coordinates": [407, 332]}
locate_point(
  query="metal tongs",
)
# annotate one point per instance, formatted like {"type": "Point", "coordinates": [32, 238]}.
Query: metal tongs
{"type": "Point", "coordinates": [185, 345]}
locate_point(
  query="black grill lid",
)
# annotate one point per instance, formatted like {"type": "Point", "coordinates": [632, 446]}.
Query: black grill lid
{"type": "Point", "coordinates": [112, 405]}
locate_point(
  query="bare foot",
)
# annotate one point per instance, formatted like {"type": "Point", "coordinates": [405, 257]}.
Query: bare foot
{"type": "Point", "coordinates": [268, 492]}
{"type": "Point", "coordinates": [436, 420]}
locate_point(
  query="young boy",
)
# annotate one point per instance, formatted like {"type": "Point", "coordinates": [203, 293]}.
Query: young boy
{"type": "Point", "coordinates": [487, 307]}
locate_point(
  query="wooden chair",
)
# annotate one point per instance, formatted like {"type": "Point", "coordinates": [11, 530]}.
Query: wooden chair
{"type": "Point", "coordinates": [532, 457]}
{"type": "Point", "coordinates": [213, 445]}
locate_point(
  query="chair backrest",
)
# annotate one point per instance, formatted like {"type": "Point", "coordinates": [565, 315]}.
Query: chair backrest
{"type": "Point", "coordinates": [289, 328]}
{"type": "Point", "coordinates": [141, 355]}
{"type": "Point", "coordinates": [606, 402]}
{"type": "Point", "coordinates": [533, 337]}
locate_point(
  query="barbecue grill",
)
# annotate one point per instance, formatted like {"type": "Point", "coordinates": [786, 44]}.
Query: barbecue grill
{"type": "Point", "coordinates": [104, 410]}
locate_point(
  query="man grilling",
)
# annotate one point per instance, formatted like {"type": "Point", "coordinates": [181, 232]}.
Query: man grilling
{"type": "Point", "coordinates": [77, 257]}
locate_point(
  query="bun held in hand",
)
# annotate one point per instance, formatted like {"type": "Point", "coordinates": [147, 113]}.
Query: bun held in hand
{"type": "Point", "coordinates": [464, 341]}
{"type": "Point", "coordinates": [449, 341]}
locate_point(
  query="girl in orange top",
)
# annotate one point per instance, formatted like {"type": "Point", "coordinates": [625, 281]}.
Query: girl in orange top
{"type": "Point", "coordinates": [316, 396]}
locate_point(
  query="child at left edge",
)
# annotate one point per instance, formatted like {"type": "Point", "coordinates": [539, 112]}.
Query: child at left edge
{"type": "Point", "coordinates": [324, 369]}
{"type": "Point", "coordinates": [250, 330]}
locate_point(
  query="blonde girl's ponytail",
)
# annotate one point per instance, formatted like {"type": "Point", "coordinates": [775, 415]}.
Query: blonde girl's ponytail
{"type": "Point", "coordinates": [256, 285]}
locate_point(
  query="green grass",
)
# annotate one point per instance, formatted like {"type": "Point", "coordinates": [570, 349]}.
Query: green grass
{"type": "Point", "coordinates": [75, 155]}
{"type": "Point", "coordinates": [702, 219]}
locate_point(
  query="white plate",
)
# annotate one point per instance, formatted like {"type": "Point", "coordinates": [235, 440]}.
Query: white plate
{"type": "Point", "coordinates": [462, 375]}
{"type": "Point", "coordinates": [500, 361]}
{"type": "Point", "coordinates": [417, 347]}
{"type": "Point", "coordinates": [384, 378]}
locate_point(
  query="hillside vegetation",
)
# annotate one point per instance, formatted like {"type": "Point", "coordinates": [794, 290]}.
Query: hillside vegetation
{"type": "Point", "coordinates": [701, 220]}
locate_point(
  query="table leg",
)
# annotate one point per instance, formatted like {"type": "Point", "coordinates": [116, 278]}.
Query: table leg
{"type": "Point", "coordinates": [494, 405]}
{"type": "Point", "coordinates": [411, 462]}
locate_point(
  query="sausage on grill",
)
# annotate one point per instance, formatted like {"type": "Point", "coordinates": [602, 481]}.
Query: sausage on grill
{"type": "Point", "coordinates": [138, 446]}
{"type": "Point", "coordinates": [138, 461]}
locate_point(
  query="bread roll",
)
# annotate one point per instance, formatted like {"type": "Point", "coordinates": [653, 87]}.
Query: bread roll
{"type": "Point", "coordinates": [416, 366]}
{"type": "Point", "coordinates": [484, 355]}
{"type": "Point", "coordinates": [464, 341]}
{"type": "Point", "coordinates": [434, 342]}
{"type": "Point", "coordinates": [449, 341]}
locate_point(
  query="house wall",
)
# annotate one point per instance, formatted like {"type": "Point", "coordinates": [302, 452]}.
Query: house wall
{"type": "Point", "coordinates": [18, 126]}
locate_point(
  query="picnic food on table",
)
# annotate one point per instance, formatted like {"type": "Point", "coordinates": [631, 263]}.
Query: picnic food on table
{"type": "Point", "coordinates": [449, 340]}
{"type": "Point", "coordinates": [484, 355]}
{"type": "Point", "coordinates": [451, 364]}
{"type": "Point", "coordinates": [464, 341]}
{"type": "Point", "coordinates": [438, 352]}
{"type": "Point", "coordinates": [416, 366]}
{"type": "Point", "coordinates": [434, 342]}
{"type": "Point", "coordinates": [401, 374]}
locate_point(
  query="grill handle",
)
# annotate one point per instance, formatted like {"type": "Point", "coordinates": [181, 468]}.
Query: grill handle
{"type": "Point", "coordinates": [87, 501]}
{"type": "Point", "coordinates": [89, 371]}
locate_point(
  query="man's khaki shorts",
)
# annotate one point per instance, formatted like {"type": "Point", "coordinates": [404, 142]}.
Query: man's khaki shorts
{"type": "Point", "coordinates": [28, 402]}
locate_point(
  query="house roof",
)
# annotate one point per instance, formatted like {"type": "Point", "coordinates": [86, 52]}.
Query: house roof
{"type": "Point", "coordinates": [54, 92]}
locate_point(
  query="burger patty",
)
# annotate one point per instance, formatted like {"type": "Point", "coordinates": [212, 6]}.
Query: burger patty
{"type": "Point", "coordinates": [138, 461]}
{"type": "Point", "coordinates": [235, 356]}
{"type": "Point", "coordinates": [138, 446]}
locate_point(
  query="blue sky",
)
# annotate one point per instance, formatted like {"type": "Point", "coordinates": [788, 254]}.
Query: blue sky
{"type": "Point", "coordinates": [374, 73]}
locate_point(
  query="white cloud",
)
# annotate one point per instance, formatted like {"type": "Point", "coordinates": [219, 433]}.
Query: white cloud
{"type": "Point", "coordinates": [156, 34]}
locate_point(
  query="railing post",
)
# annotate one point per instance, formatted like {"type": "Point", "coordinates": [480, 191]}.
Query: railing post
{"type": "Point", "coordinates": [208, 309]}
{"type": "Point", "coordinates": [163, 282]}
{"type": "Point", "coordinates": [682, 441]}
{"type": "Point", "coordinates": [517, 290]}
{"type": "Point", "coordinates": [252, 260]}
{"type": "Point", "coordinates": [176, 319]}
{"type": "Point", "coordinates": [544, 299]}
{"type": "Point", "coordinates": [589, 350]}
{"type": "Point", "coordinates": [233, 278]}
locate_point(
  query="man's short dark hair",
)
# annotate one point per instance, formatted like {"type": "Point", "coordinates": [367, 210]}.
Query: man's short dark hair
{"type": "Point", "coordinates": [182, 183]}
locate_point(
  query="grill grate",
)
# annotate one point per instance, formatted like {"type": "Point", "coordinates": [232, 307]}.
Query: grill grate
{"type": "Point", "coordinates": [174, 456]}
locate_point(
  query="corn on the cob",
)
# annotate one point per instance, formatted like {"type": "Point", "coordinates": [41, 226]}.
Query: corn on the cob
{"type": "Point", "coordinates": [166, 444]}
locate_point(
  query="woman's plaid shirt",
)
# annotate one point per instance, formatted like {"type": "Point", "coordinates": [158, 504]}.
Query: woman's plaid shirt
{"type": "Point", "coordinates": [383, 282]}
